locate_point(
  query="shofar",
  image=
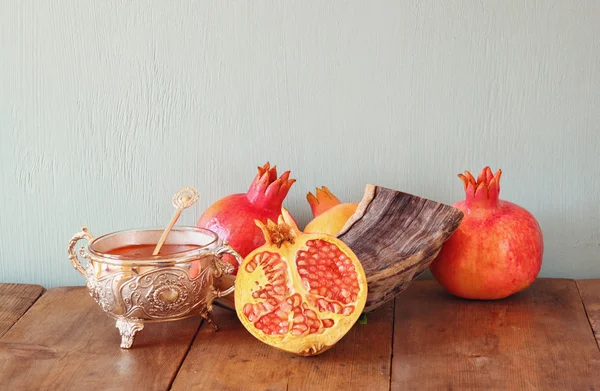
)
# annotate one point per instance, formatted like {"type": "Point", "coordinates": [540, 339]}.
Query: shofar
{"type": "Point", "coordinates": [396, 236]}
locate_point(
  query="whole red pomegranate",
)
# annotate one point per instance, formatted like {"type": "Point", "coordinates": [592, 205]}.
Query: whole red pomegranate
{"type": "Point", "coordinates": [232, 217]}
{"type": "Point", "coordinates": [496, 250]}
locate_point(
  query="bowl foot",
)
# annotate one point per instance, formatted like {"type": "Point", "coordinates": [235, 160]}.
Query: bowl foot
{"type": "Point", "coordinates": [206, 315]}
{"type": "Point", "coordinates": [128, 328]}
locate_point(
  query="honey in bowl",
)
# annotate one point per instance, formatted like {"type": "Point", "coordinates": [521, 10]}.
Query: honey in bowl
{"type": "Point", "coordinates": [145, 250]}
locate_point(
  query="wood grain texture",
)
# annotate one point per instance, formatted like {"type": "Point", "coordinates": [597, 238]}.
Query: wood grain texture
{"type": "Point", "coordinates": [107, 109]}
{"type": "Point", "coordinates": [396, 236]}
{"type": "Point", "coordinates": [590, 296]}
{"type": "Point", "coordinates": [538, 339]}
{"type": "Point", "coordinates": [232, 359]}
{"type": "Point", "coordinates": [66, 342]}
{"type": "Point", "coordinates": [15, 300]}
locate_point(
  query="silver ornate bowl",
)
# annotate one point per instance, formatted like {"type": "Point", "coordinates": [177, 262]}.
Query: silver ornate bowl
{"type": "Point", "coordinates": [136, 289]}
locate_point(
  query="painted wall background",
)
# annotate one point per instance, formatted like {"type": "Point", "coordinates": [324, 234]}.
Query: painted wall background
{"type": "Point", "coordinates": [108, 107]}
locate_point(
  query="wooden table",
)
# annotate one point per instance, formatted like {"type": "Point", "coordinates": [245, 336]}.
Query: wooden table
{"type": "Point", "coordinates": [545, 338]}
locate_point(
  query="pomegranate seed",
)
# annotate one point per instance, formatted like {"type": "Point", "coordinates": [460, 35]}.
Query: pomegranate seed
{"type": "Point", "coordinates": [279, 282]}
{"type": "Point", "coordinates": [310, 314]}
{"type": "Point", "coordinates": [280, 266]}
{"type": "Point", "coordinates": [281, 315]}
{"type": "Point", "coordinates": [251, 266]}
{"type": "Point", "coordinates": [327, 323]}
{"type": "Point", "coordinates": [297, 300]}
{"type": "Point", "coordinates": [280, 290]}
{"type": "Point", "coordinates": [337, 308]}
{"type": "Point", "coordinates": [348, 310]}
{"type": "Point", "coordinates": [323, 305]}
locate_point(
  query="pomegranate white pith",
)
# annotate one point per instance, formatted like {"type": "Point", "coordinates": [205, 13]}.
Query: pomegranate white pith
{"type": "Point", "coordinates": [299, 292]}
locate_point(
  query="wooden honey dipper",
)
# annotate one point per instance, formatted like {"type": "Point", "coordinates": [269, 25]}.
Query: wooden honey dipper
{"type": "Point", "coordinates": [183, 199]}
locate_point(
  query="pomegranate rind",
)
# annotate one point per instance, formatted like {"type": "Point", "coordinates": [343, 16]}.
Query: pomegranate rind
{"type": "Point", "coordinates": [331, 221]}
{"type": "Point", "coordinates": [307, 344]}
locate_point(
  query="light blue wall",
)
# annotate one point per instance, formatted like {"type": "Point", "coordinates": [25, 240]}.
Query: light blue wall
{"type": "Point", "coordinates": [108, 107]}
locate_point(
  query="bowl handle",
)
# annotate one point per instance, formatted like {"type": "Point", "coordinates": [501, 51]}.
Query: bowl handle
{"type": "Point", "coordinates": [84, 234]}
{"type": "Point", "coordinates": [223, 267]}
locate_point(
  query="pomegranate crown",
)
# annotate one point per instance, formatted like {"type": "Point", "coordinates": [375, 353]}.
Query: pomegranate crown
{"type": "Point", "coordinates": [267, 191]}
{"type": "Point", "coordinates": [323, 201]}
{"type": "Point", "coordinates": [486, 188]}
{"type": "Point", "coordinates": [284, 231]}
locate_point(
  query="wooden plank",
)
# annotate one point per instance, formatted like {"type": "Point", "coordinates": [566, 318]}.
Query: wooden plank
{"type": "Point", "coordinates": [65, 341]}
{"type": "Point", "coordinates": [15, 300]}
{"type": "Point", "coordinates": [537, 339]}
{"type": "Point", "coordinates": [590, 296]}
{"type": "Point", "coordinates": [232, 359]}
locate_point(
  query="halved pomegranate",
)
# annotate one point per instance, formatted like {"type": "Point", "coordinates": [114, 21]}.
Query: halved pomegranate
{"type": "Point", "coordinates": [299, 292]}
